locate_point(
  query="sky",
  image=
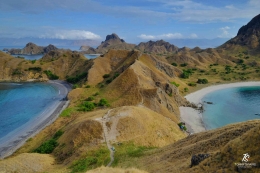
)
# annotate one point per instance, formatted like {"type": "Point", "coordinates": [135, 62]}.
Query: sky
{"type": "Point", "coordinates": [132, 20]}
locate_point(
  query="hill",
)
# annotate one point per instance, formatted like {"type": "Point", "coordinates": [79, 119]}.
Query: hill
{"type": "Point", "coordinates": [158, 47]}
{"type": "Point", "coordinates": [112, 42]}
{"type": "Point", "coordinates": [247, 36]}
{"type": "Point", "coordinates": [32, 49]}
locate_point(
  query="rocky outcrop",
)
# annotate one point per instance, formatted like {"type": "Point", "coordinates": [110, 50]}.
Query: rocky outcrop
{"type": "Point", "coordinates": [159, 47]}
{"type": "Point", "coordinates": [248, 35]}
{"type": "Point", "coordinates": [196, 159]}
{"type": "Point", "coordinates": [84, 48]}
{"type": "Point", "coordinates": [32, 49]}
{"type": "Point", "coordinates": [112, 42]}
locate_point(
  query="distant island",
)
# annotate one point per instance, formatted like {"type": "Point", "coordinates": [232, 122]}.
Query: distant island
{"type": "Point", "coordinates": [31, 49]}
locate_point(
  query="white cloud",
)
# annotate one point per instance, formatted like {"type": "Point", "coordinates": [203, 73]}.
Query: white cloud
{"type": "Point", "coordinates": [146, 37]}
{"type": "Point", "coordinates": [193, 35]}
{"type": "Point", "coordinates": [225, 32]}
{"type": "Point", "coordinates": [162, 36]}
{"type": "Point", "coordinates": [71, 35]}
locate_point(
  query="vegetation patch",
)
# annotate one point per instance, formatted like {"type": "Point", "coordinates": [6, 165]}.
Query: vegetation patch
{"type": "Point", "coordinates": [48, 146]}
{"type": "Point", "coordinates": [38, 69]}
{"type": "Point", "coordinates": [92, 160]}
{"type": "Point", "coordinates": [202, 81]}
{"type": "Point", "coordinates": [174, 83]}
{"type": "Point", "coordinates": [128, 151]}
{"type": "Point", "coordinates": [87, 106]}
{"type": "Point", "coordinates": [106, 76]}
{"type": "Point", "coordinates": [77, 78]}
{"type": "Point", "coordinates": [67, 112]}
{"type": "Point", "coordinates": [51, 75]}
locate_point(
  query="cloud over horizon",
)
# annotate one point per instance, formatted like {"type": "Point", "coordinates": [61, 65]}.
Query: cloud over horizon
{"type": "Point", "coordinates": [71, 35]}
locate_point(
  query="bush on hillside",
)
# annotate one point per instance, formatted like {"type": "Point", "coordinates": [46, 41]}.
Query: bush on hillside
{"type": "Point", "coordinates": [77, 78]}
{"type": "Point", "coordinates": [202, 81]}
{"type": "Point", "coordinates": [87, 106]}
{"type": "Point", "coordinates": [51, 75]}
{"type": "Point", "coordinates": [103, 102]}
{"type": "Point", "coordinates": [174, 64]}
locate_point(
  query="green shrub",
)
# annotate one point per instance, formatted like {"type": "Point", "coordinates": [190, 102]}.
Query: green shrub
{"type": "Point", "coordinates": [16, 72]}
{"type": "Point", "coordinates": [38, 69]}
{"type": "Point", "coordinates": [75, 86]}
{"type": "Point", "coordinates": [93, 159]}
{"type": "Point", "coordinates": [202, 81]}
{"type": "Point", "coordinates": [66, 112]}
{"type": "Point", "coordinates": [87, 106]}
{"type": "Point", "coordinates": [106, 76]}
{"type": "Point", "coordinates": [174, 64]}
{"type": "Point", "coordinates": [91, 98]}
{"type": "Point", "coordinates": [51, 75]}
{"type": "Point", "coordinates": [103, 102]}
{"type": "Point", "coordinates": [33, 61]}
{"type": "Point", "coordinates": [183, 65]}
{"type": "Point", "coordinates": [174, 83]}
{"type": "Point", "coordinates": [58, 134]}
{"type": "Point", "coordinates": [96, 94]}
{"type": "Point", "coordinates": [240, 61]}
{"type": "Point", "coordinates": [115, 75]}
{"type": "Point", "coordinates": [88, 86]}
{"type": "Point", "coordinates": [186, 73]}
{"type": "Point", "coordinates": [186, 89]}
{"type": "Point", "coordinates": [192, 84]}
{"type": "Point", "coordinates": [48, 146]}
{"type": "Point", "coordinates": [108, 81]}
{"type": "Point", "coordinates": [77, 78]}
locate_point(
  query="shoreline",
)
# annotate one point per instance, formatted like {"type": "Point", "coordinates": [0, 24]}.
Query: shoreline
{"type": "Point", "coordinates": [192, 117]}
{"type": "Point", "coordinates": [14, 140]}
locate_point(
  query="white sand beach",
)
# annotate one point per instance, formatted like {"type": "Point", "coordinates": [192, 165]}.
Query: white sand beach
{"type": "Point", "coordinates": [192, 117]}
{"type": "Point", "coordinates": [14, 140]}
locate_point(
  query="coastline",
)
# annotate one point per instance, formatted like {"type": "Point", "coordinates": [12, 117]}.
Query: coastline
{"type": "Point", "coordinates": [192, 117]}
{"type": "Point", "coordinates": [14, 140]}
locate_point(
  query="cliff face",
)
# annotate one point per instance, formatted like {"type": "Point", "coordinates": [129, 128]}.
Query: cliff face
{"type": "Point", "coordinates": [33, 49]}
{"type": "Point", "coordinates": [248, 35]}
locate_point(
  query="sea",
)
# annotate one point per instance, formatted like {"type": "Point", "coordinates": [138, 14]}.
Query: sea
{"type": "Point", "coordinates": [36, 57]}
{"type": "Point", "coordinates": [231, 105]}
{"type": "Point", "coordinates": [20, 103]}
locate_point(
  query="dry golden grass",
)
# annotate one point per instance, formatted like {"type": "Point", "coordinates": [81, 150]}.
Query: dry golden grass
{"type": "Point", "coordinates": [28, 163]}
{"type": "Point", "coordinates": [115, 170]}
{"type": "Point", "coordinates": [143, 127]}
{"type": "Point", "coordinates": [241, 137]}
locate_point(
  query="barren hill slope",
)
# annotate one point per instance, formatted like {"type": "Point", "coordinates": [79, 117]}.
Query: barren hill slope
{"type": "Point", "coordinates": [225, 146]}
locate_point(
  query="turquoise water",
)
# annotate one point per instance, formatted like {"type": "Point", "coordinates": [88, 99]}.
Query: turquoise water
{"type": "Point", "coordinates": [29, 57]}
{"type": "Point", "coordinates": [231, 105]}
{"type": "Point", "coordinates": [91, 56]}
{"type": "Point", "coordinates": [21, 102]}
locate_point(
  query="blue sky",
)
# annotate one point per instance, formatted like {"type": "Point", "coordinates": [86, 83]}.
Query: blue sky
{"type": "Point", "coordinates": [132, 20]}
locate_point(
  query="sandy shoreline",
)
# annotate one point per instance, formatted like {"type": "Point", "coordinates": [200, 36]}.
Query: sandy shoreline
{"type": "Point", "coordinates": [192, 117]}
{"type": "Point", "coordinates": [10, 143]}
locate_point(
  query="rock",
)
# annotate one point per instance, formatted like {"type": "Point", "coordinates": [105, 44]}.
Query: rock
{"type": "Point", "coordinates": [196, 159]}
{"type": "Point", "coordinates": [84, 48]}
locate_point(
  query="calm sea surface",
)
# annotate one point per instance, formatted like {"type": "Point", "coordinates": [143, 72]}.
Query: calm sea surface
{"type": "Point", "coordinates": [231, 105]}
{"type": "Point", "coordinates": [21, 102]}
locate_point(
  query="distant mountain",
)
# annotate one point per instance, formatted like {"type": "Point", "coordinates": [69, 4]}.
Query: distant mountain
{"type": "Point", "coordinates": [112, 42]}
{"type": "Point", "coordinates": [156, 47]}
{"type": "Point", "coordinates": [33, 49]}
{"type": "Point", "coordinates": [47, 41]}
{"type": "Point", "coordinates": [248, 35]}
